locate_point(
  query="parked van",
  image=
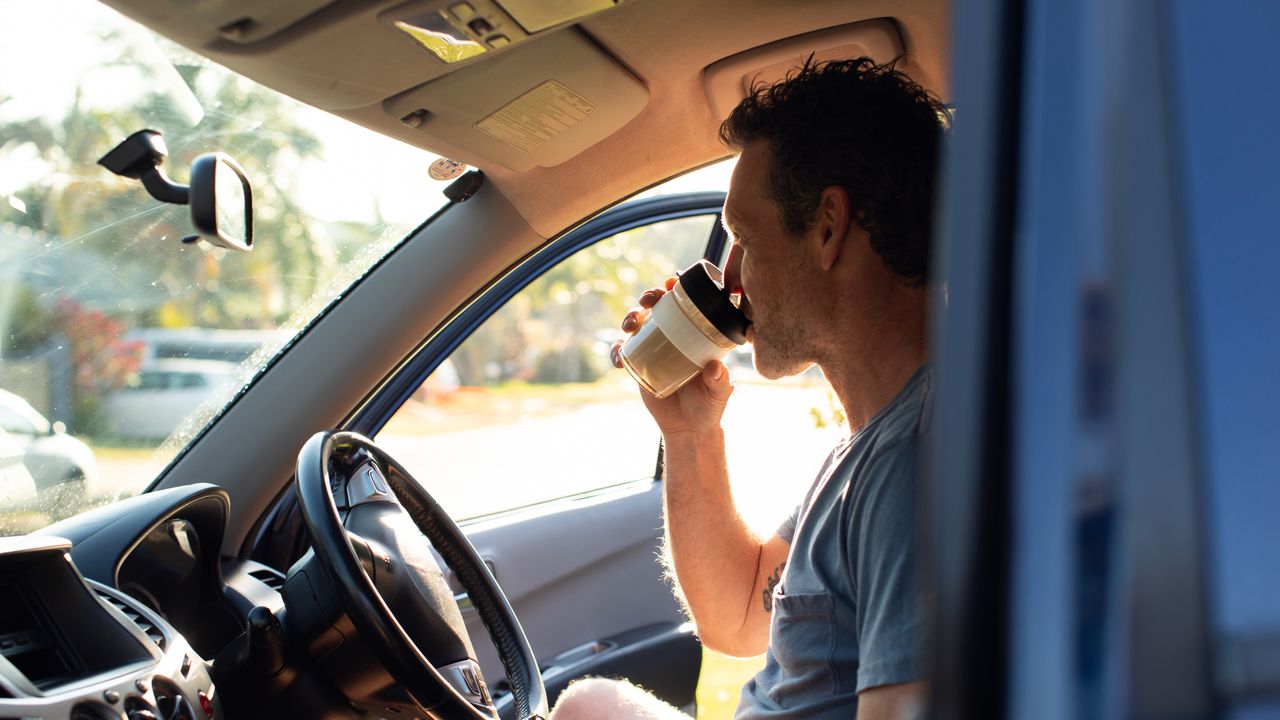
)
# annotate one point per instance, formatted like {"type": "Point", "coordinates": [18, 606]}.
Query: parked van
{"type": "Point", "coordinates": [164, 393]}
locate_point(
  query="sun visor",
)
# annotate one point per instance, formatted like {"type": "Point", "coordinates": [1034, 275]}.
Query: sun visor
{"type": "Point", "coordinates": [240, 22]}
{"type": "Point", "coordinates": [728, 81]}
{"type": "Point", "coordinates": [538, 104]}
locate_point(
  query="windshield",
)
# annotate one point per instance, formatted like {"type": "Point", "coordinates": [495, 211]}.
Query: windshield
{"type": "Point", "coordinates": [118, 342]}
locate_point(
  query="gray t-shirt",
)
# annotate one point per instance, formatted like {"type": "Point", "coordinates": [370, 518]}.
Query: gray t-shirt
{"type": "Point", "coordinates": [847, 613]}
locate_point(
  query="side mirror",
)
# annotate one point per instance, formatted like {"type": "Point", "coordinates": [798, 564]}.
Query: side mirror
{"type": "Point", "coordinates": [221, 201]}
{"type": "Point", "coordinates": [220, 195]}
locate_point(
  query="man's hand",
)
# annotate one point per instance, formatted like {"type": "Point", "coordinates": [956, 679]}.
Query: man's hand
{"type": "Point", "coordinates": [698, 406]}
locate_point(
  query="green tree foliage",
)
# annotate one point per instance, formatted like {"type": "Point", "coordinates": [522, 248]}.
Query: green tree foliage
{"type": "Point", "coordinates": [558, 329]}
{"type": "Point", "coordinates": [82, 237]}
{"type": "Point", "coordinates": [32, 325]}
{"type": "Point", "coordinates": [80, 207]}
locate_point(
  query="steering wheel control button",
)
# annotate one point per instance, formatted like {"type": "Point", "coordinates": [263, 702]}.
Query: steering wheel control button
{"type": "Point", "coordinates": [465, 677]}
{"type": "Point", "coordinates": [111, 696]}
{"type": "Point", "coordinates": [367, 486]}
{"type": "Point", "coordinates": [469, 676]}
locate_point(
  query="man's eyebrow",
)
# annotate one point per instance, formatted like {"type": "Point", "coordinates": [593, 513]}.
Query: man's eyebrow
{"type": "Point", "coordinates": [726, 223]}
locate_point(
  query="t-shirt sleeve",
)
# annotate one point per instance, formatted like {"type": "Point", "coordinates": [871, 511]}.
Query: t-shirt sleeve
{"type": "Point", "coordinates": [787, 530]}
{"type": "Point", "coordinates": [883, 546]}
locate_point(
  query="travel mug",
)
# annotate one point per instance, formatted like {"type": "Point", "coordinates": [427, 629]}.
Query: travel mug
{"type": "Point", "coordinates": [689, 327]}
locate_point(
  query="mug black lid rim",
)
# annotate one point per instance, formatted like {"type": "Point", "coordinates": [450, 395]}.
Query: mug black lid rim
{"type": "Point", "coordinates": [712, 299]}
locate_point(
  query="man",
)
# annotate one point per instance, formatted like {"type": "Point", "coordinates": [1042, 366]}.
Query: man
{"type": "Point", "coordinates": [829, 209]}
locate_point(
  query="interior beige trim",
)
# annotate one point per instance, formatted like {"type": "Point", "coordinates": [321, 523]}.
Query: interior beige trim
{"type": "Point", "coordinates": [344, 59]}
{"type": "Point", "coordinates": [730, 80]}
{"type": "Point", "coordinates": [537, 105]}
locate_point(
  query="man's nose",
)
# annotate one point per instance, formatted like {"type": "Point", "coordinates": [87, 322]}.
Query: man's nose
{"type": "Point", "coordinates": [733, 269]}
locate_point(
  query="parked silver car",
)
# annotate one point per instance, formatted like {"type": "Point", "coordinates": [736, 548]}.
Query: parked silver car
{"type": "Point", "coordinates": [164, 394]}
{"type": "Point", "coordinates": [58, 463]}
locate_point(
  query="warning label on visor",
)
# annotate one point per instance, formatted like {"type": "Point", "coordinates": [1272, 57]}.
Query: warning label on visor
{"type": "Point", "coordinates": [537, 116]}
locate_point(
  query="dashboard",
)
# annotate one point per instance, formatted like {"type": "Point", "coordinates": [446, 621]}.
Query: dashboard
{"type": "Point", "coordinates": [164, 569]}
{"type": "Point", "coordinates": [117, 612]}
{"type": "Point", "coordinates": [75, 648]}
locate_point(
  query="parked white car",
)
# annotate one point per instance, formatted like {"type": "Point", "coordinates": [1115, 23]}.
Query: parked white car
{"type": "Point", "coordinates": [164, 394]}
{"type": "Point", "coordinates": [56, 461]}
{"type": "Point", "coordinates": [16, 486]}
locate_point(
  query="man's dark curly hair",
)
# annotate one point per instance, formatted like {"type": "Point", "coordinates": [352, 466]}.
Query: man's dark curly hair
{"type": "Point", "coordinates": [864, 127]}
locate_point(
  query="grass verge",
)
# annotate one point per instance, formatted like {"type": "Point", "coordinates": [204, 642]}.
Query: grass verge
{"type": "Point", "coordinates": [720, 683]}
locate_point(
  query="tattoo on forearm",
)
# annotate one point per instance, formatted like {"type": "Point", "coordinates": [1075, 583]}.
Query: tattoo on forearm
{"type": "Point", "coordinates": [769, 585]}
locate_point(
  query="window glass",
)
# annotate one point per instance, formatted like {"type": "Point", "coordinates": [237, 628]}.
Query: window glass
{"type": "Point", "coordinates": [14, 422]}
{"type": "Point", "coordinates": [99, 298]}
{"type": "Point", "coordinates": [709, 178]}
{"type": "Point", "coordinates": [529, 407]}
{"type": "Point", "coordinates": [1230, 158]}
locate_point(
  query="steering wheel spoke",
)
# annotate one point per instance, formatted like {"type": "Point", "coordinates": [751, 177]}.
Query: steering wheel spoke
{"type": "Point", "coordinates": [377, 560]}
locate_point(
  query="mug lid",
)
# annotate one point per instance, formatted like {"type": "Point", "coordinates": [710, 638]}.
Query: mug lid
{"type": "Point", "coordinates": [703, 282]}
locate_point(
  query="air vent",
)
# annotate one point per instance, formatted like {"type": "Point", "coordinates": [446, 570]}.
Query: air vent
{"type": "Point", "coordinates": [144, 624]}
{"type": "Point", "coordinates": [270, 578]}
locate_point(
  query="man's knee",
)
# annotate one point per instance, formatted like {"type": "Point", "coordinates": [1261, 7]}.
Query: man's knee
{"type": "Point", "coordinates": [600, 698]}
{"type": "Point", "coordinates": [588, 699]}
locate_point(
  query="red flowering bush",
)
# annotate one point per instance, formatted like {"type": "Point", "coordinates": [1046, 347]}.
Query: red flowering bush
{"type": "Point", "coordinates": [101, 360]}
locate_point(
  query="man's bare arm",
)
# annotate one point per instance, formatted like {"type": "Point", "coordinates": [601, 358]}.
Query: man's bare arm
{"type": "Point", "coordinates": [890, 702]}
{"type": "Point", "coordinates": [725, 572]}
{"type": "Point", "coordinates": [722, 570]}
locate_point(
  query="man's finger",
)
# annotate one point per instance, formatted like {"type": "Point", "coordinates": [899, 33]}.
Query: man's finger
{"type": "Point", "coordinates": [715, 376]}
{"type": "Point", "coordinates": [670, 282]}
{"type": "Point", "coordinates": [615, 354]}
{"type": "Point", "coordinates": [650, 297]}
{"type": "Point", "coordinates": [634, 318]}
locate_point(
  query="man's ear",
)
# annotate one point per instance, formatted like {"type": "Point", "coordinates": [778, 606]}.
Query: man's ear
{"type": "Point", "coordinates": [835, 212]}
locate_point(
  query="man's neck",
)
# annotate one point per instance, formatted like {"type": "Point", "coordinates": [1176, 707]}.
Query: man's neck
{"type": "Point", "coordinates": [867, 383]}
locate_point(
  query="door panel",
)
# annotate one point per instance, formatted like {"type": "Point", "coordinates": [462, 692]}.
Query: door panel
{"type": "Point", "coordinates": [583, 577]}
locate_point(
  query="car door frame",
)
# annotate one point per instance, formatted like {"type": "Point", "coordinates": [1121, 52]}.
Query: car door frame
{"type": "Point", "coordinates": [384, 402]}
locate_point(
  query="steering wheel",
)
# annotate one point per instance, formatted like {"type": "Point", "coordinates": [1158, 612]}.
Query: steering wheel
{"type": "Point", "coordinates": [377, 557]}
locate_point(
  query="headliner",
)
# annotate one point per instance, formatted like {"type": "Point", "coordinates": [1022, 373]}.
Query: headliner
{"type": "Point", "coordinates": [340, 57]}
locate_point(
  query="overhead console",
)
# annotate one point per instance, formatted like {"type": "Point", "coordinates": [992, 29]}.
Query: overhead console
{"type": "Point", "coordinates": [75, 648]}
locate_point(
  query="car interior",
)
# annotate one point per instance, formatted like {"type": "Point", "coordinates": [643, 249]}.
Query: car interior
{"type": "Point", "coordinates": [285, 565]}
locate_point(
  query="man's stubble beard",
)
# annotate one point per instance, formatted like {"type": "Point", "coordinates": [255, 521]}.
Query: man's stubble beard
{"type": "Point", "coordinates": [781, 345]}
